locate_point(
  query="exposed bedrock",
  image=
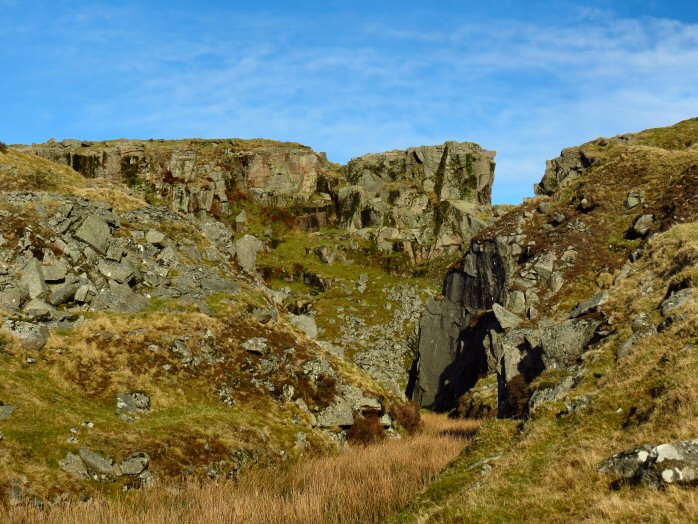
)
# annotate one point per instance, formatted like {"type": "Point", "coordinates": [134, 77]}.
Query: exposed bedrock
{"type": "Point", "coordinates": [425, 201]}
{"type": "Point", "coordinates": [429, 199]}
{"type": "Point", "coordinates": [202, 176]}
{"type": "Point", "coordinates": [487, 321]}
{"type": "Point", "coordinates": [454, 330]}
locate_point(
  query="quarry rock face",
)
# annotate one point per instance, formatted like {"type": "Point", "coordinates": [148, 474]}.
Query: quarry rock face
{"type": "Point", "coordinates": [430, 198]}
{"type": "Point", "coordinates": [198, 176]}
{"type": "Point", "coordinates": [427, 200]}
{"type": "Point", "coordinates": [533, 291]}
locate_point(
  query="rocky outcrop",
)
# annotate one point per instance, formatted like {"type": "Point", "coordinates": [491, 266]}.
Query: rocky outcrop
{"type": "Point", "coordinates": [89, 465]}
{"type": "Point", "coordinates": [423, 199]}
{"type": "Point", "coordinates": [559, 171]}
{"type": "Point", "coordinates": [200, 176]}
{"type": "Point", "coordinates": [489, 321]}
{"type": "Point", "coordinates": [655, 465]}
{"type": "Point", "coordinates": [86, 256]}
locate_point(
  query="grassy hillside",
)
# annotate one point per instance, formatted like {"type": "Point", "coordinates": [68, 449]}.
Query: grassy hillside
{"type": "Point", "coordinates": [216, 408]}
{"type": "Point", "coordinates": [544, 468]}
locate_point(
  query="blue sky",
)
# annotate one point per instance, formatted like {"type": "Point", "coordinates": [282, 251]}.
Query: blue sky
{"type": "Point", "coordinates": [348, 78]}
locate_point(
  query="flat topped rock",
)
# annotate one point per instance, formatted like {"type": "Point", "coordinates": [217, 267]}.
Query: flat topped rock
{"type": "Point", "coordinates": [116, 271]}
{"type": "Point", "coordinates": [55, 272]}
{"type": "Point", "coordinates": [96, 233]}
{"type": "Point", "coordinates": [155, 237]}
{"type": "Point", "coordinates": [120, 299]}
{"type": "Point", "coordinates": [96, 463]}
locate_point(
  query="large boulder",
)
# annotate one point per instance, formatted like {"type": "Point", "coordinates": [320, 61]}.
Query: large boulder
{"type": "Point", "coordinates": [31, 336]}
{"type": "Point", "coordinates": [33, 279]}
{"type": "Point", "coordinates": [439, 332]}
{"type": "Point", "coordinates": [96, 233]}
{"type": "Point", "coordinates": [339, 413]}
{"type": "Point", "coordinates": [120, 298]}
{"type": "Point", "coordinates": [246, 250]}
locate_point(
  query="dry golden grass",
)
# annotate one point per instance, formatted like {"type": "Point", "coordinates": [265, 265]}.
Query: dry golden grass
{"type": "Point", "coordinates": [23, 171]}
{"type": "Point", "coordinates": [359, 484]}
{"type": "Point", "coordinates": [107, 191]}
{"type": "Point", "coordinates": [20, 171]}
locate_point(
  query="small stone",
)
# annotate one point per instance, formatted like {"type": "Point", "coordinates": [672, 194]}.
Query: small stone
{"type": "Point", "coordinates": [641, 226]}
{"type": "Point", "coordinates": [135, 402]}
{"type": "Point", "coordinates": [558, 219]}
{"type": "Point", "coordinates": [544, 207]}
{"type": "Point", "coordinates": [591, 304]}
{"type": "Point", "coordinates": [634, 199]}
{"type": "Point", "coordinates": [255, 345]}
{"type": "Point", "coordinates": [155, 237]}
{"type": "Point", "coordinates": [586, 205]}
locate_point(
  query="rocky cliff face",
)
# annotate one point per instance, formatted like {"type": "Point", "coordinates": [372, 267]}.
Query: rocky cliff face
{"type": "Point", "coordinates": [425, 200]}
{"type": "Point", "coordinates": [527, 299]}
{"type": "Point", "coordinates": [199, 176]}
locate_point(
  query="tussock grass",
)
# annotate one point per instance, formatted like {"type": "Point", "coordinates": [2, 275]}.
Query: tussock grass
{"type": "Point", "coordinates": [359, 484]}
